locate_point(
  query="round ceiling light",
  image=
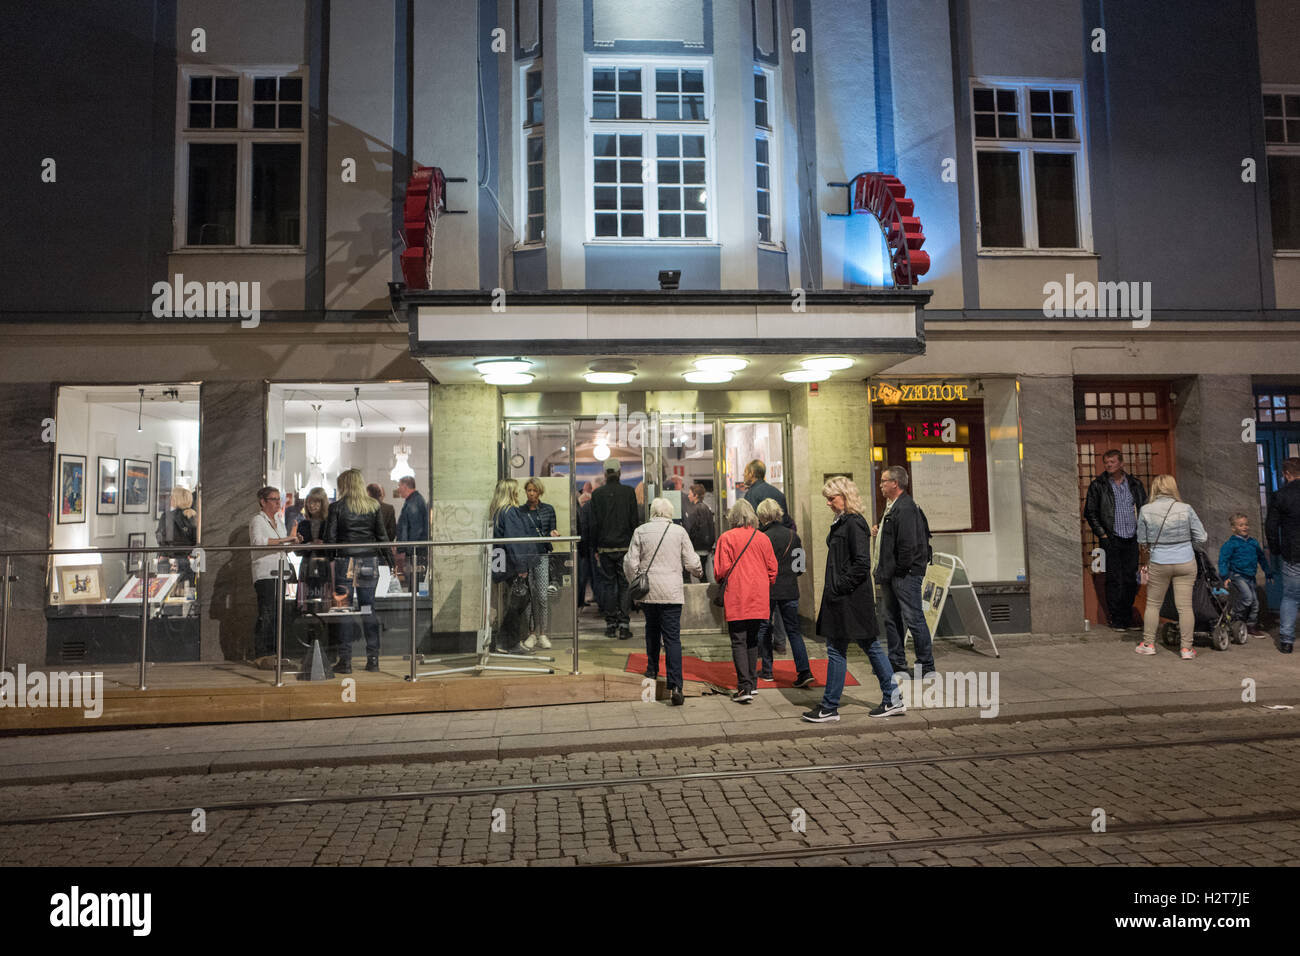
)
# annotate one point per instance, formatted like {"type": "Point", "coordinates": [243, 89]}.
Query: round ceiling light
{"type": "Point", "coordinates": [721, 364]}
{"type": "Point", "coordinates": [806, 375]}
{"type": "Point", "coordinates": [609, 378]}
{"type": "Point", "coordinates": [508, 378]}
{"type": "Point", "coordinates": [829, 363]}
{"type": "Point", "coordinates": [513, 366]}
{"type": "Point", "coordinates": [600, 452]}
{"type": "Point", "coordinates": [708, 378]}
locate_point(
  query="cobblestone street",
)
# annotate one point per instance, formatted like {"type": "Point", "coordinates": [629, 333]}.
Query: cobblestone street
{"type": "Point", "coordinates": [999, 791]}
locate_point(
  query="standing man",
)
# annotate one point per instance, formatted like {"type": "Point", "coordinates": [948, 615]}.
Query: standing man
{"type": "Point", "coordinates": [903, 547]}
{"type": "Point", "coordinates": [1111, 510]}
{"type": "Point", "coordinates": [386, 511]}
{"type": "Point", "coordinates": [1282, 528]}
{"type": "Point", "coordinates": [757, 489]}
{"type": "Point", "coordinates": [412, 525]}
{"type": "Point", "coordinates": [267, 528]}
{"type": "Point", "coordinates": [613, 520]}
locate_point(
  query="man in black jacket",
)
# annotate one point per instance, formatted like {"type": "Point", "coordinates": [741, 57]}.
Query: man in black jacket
{"type": "Point", "coordinates": [903, 545]}
{"type": "Point", "coordinates": [1111, 510]}
{"type": "Point", "coordinates": [1282, 529]}
{"type": "Point", "coordinates": [758, 489]}
{"type": "Point", "coordinates": [613, 519]}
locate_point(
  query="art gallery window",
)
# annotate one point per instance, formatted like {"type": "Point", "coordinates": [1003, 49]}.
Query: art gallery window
{"type": "Point", "coordinates": [959, 440]}
{"type": "Point", "coordinates": [126, 460]}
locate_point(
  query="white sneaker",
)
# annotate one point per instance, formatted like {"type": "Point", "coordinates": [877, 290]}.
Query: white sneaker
{"type": "Point", "coordinates": [543, 642]}
{"type": "Point", "coordinates": [532, 642]}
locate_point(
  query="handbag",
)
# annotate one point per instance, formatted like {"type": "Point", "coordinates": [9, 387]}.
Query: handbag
{"type": "Point", "coordinates": [719, 596]}
{"type": "Point", "coordinates": [639, 586]}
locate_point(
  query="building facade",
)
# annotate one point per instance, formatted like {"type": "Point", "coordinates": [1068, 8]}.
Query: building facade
{"type": "Point", "coordinates": [207, 226]}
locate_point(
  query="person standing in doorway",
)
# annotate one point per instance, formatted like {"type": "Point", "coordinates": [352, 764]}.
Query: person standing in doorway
{"type": "Point", "coordinates": [1282, 529]}
{"type": "Point", "coordinates": [903, 546]}
{"type": "Point", "coordinates": [412, 525]}
{"type": "Point", "coordinates": [540, 518]}
{"type": "Point", "coordinates": [757, 490]}
{"type": "Point", "coordinates": [613, 520]}
{"type": "Point", "coordinates": [1111, 510]}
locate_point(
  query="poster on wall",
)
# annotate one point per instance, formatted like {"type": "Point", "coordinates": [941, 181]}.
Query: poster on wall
{"type": "Point", "coordinates": [81, 584]}
{"type": "Point", "coordinates": [135, 541]}
{"type": "Point", "coordinates": [107, 503]}
{"type": "Point", "coordinates": [166, 475]}
{"type": "Point", "coordinates": [135, 486]}
{"type": "Point", "coordinates": [941, 486]}
{"type": "Point", "coordinates": [72, 489]}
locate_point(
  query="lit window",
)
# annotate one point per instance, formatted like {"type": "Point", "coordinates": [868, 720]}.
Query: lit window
{"type": "Point", "coordinates": [764, 153]}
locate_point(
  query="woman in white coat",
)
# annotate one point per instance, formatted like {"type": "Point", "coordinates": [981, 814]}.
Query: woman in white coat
{"type": "Point", "coordinates": [664, 550]}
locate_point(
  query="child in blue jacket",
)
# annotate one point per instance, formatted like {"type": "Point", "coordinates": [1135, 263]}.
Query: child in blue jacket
{"type": "Point", "coordinates": [1238, 558]}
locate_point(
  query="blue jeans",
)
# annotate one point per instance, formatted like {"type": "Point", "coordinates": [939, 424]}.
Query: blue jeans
{"type": "Point", "coordinates": [664, 621]}
{"type": "Point", "coordinates": [900, 606]}
{"type": "Point", "coordinates": [584, 578]}
{"type": "Point", "coordinates": [1247, 608]}
{"type": "Point", "coordinates": [1290, 602]}
{"type": "Point", "coordinates": [837, 666]}
{"type": "Point", "coordinates": [368, 570]}
{"type": "Point", "coordinates": [789, 611]}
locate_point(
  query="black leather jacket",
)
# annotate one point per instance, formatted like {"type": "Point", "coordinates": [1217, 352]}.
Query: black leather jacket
{"type": "Point", "coordinates": [904, 541]}
{"type": "Point", "coordinates": [1282, 526]}
{"type": "Point", "coordinates": [1099, 508]}
{"type": "Point", "coordinates": [348, 527]}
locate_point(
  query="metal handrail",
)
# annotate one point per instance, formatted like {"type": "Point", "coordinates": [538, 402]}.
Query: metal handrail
{"type": "Point", "coordinates": [266, 550]}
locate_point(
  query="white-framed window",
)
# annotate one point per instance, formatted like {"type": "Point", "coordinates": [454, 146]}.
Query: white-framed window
{"type": "Point", "coordinates": [241, 158]}
{"type": "Point", "coordinates": [765, 154]}
{"type": "Point", "coordinates": [1030, 166]}
{"type": "Point", "coordinates": [532, 152]}
{"type": "Point", "coordinates": [1282, 136]}
{"type": "Point", "coordinates": [649, 149]}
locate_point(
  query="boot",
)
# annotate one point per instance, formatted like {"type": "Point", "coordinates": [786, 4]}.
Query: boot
{"type": "Point", "coordinates": [343, 667]}
{"type": "Point", "coordinates": [372, 662]}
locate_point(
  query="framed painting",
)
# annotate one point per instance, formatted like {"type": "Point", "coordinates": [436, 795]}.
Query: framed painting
{"type": "Point", "coordinates": [72, 489]}
{"type": "Point", "coordinates": [135, 486]}
{"type": "Point", "coordinates": [135, 541]}
{"type": "Point", "coordinates": [81, 584]}
{"type": "Point", "coordinates": [109, 493]}
{"type": "Point", "coordinates": [133, 591]}
{"type": "Point", "coordinates": [165, 479]}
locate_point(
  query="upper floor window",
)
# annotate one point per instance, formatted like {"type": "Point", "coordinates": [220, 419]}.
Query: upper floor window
{"type": "Point", "coordinates": [1282, 134]}
{"type": "Point", "coordinates": [1030, 165]}
{"type": "Point", "coordinates": [649, 162]}
{"type": "Point", "coordinates": [764, 152]}
{"type": "Point", "coordinates": [532, 145]}
{"type": "Point", "coordinates": [240, 158]}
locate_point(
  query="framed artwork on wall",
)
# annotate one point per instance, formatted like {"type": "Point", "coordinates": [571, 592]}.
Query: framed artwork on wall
{"type": "Point", "coordinates": [134, 541]}
{"type": "Point", "coordinates": [109, 499]}
{"type": "Point", "coordinates": [166, 479]}
{"type": "Point", "coordinates": [81, 584]}
{"type": "Point", "coordinates": [72, 489]}
{"type": "Point", "coordinates": [135, 486]}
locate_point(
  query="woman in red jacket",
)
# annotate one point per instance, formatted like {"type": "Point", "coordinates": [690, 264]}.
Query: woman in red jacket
{"type": "Point", "coordinates": [745, 560]}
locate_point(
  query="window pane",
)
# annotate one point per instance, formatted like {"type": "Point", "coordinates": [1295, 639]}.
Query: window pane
{"type": "Point", "coordinates": [264, 116]}
{"type": "Point", "coordinates": [999, 195]}
{"type": "Point", "coordinates": [275, 211]}
{"type": "Point", "coordinates": [606, 197]}
{"type": "Point", "coordinates": [227, 88]}
{"type": "Point", "coordinates": [986, 126]}
{"type": "Point", "coordinates": [200, 118]}
{"type": "Point", "coordinates": [629, 171]}
{"type": "Point", "coordinates": [629, 107]}
{"type": "Point", "coordinates": [1054, 186]}
{"type": "Point", "coordinates": [264, 88]}
{"type": "Point", "coordinates": [1293, 131]}
{"type": "Point", "coordinates": [666, 107]}
{"type": "Point", "coordinates": [1272, 104]}
{"type": "Point", "coordinates": [1007, 127]}
{"type": "Point", "coordinates": [1284, 200]}
{"type": "Point", "coordinates": [604, 144]}
{"type": "Point", "coordinates": [602, 79]}
{"type": "Point", "coordinates": [1040, 101]}
{"type": "Point", "coordinates": [201, 89]}
{"type": "Point", "coordinates": [762, 177]}
{"type": "Point", "coordinates": [694, 199]}
{"type": "Point", "coordinates": [693, 108]}
{"type": "Point", "coordinates": [534, 111]}
{"type": "Point", "coordinates": [535, 202]}
{"type": "Point", "coordinates": [764, 206]}
{"type": "Point", "coordinates": [1274, 131]}
{"type": "Point", "coordinates": [1041, 127]}
{"type": "Point", "coordinates": [631, 196]}
{"type": "Point", "coordinates": [760, 86]}
{"type": "Point", "coordinates": [603, 106]}
{"type": "Point", "coordinates": [670, 198]}
{"type": "Point", "coordinates": [666, 81]}
{"type": "Point", "coordinates": [696, 227]}
{"type": "Point", "coordinates": [984, 101]}
{"type": "Point", "coordinates": [1148, 398]}
{"type": "Point", "coordinates": [1006, 101]}
{"type": "Point", "coordinates": [666, 146]}
{"type": "Point", "coordinates": [693, 146]}
{"type": "Point", "coordinates": [1062, 101]}
{"type": "Point", "coordinates": [760, 150]}
{"type": "Point", "coordinates": [764, 229]}
{"type": "Point", "coordinates": [291, 88]}
{"type": "Point", "coordinates": [534, 175]}
{"type": "Point", "coordinates": [1064, 127]}
{"type": "Point", "coordinates": [629, 80]}
{"type": "Point", "coordinates": [693, 173]}
{"type": "Point", "coordinates": [212, 185]}
{"type": "Point", "coordinates": [633, 225]}
{"type": "Point", "coordinates": [692, 81]}
{"type": "Point", "coordinates": [606, 225]}
{"type": "Point", "coordinates": [536, 229]}
{"type": "Point", "coordinates": [669, 172]}
{"type": "Point", "coordinates": [291, 116]}
{"type": "Point", "coordinates": [629, 145]}
{"type": "Point", "coordinates": [1292, 104]}
{"type": "Point", "coordinates": [534, 149]}
{"type": "Point", "coordinates": [533, 83]}
{"type": "Point", "coordinates": [606, 172]}
{"type": "Point", "coordinates": [225, 115]}
{"type": "Point", "coordinates": [670, 227]}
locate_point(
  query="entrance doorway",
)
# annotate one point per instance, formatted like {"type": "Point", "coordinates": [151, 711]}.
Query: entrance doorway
{"type": "Point", "coordinates": [1133, 417]}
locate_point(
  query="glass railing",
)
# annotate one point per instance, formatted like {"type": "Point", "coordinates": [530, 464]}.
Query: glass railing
{"type": "Point", "coordinates": [145, 618]}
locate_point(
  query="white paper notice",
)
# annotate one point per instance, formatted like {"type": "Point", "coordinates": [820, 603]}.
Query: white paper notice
{"type": "Point", "coordinates": [941, 486]}
{"type": "Point", "coordinates": [675, 499]}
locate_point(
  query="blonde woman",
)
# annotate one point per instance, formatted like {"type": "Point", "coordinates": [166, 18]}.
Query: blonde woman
{"type": "Point", "coordinates": [848, 605]}
{"type": "Point", "coordinates": [508, 521]}
{"type": "Point", "coordinates": [353, 518]}
{"type": "Point", "coordinates": [178, 529]}
{"type": "Point", "coordinates": [745, 561]}
{"type": "Point", "coordinates": [540, 518]}
{"type": "Point", "coordinates": [1169, 528]}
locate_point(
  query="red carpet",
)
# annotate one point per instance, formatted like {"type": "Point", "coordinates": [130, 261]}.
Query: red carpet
{"type": "Point", "coordinates": [723, 673]}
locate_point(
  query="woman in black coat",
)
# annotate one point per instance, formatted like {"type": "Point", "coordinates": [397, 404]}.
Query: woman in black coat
{"type": "Point", "coordinates": [848, 605]}
{"type": "Point", "coordinates": [177, 527]}
{"type": "Point", "coordinates": [354, 517]}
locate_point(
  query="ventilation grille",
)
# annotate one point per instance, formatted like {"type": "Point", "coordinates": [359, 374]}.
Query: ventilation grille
{"type": "Point", "coordinates": [73, 652]}
{"type": "Point", "coordinates": [999, 613]}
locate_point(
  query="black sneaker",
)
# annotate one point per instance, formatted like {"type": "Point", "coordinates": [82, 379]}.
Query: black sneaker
{"type": "Point", "coordinates": [819, 716]}
{"type": "Point", "coordinates": [611, 630]}
{"type": "Point", "coordinates": [372, 664]}
{"type": "Point", "coordinates": [1285, 646]}
{"type": "Point", "coordinates": [887, 710]}
{"type": "Point", "coordinates": [342, 667]}
{"type": "Point", "coordinates": [625, 633]}
{"type": "Point", "coordinates": [653, 675]}
{"type": "Point", "coordinates": [805, 679]}
{"type": "Point", "coordinates": [678, 699]}
{"type": "Point", "coordinates": [743, 696]}
{"type": "Point", "coordinates": [767, 677]}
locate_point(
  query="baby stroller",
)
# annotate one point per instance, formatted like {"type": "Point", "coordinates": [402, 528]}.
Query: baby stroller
{"type": "Point", "coordinates": [1213, 606]}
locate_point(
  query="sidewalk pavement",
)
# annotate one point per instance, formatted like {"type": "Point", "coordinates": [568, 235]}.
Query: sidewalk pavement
{"type": "Point", "coordinates": [1037, 678]}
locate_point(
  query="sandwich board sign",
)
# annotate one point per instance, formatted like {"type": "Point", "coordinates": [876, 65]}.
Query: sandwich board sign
{"type": "Point", "coordinates": [950, 604]}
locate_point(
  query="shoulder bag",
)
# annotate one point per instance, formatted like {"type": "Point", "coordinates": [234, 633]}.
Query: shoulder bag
{"type": "Point", "coordinates": [1144, 557]}
{"type": "Point", "coordinates": [639, 586]}
{"type": "Point", "coordinates": [719, 597]}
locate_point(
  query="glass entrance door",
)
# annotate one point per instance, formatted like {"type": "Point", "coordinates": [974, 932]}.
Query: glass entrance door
{"type": "Point", "coordinates": [744, 442]}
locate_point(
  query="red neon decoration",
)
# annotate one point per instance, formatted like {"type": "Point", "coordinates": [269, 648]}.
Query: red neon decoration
{"type": "Point", "coordinates": [426, 200]}
{"type": "Point", "coordinates": [885, 197]}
